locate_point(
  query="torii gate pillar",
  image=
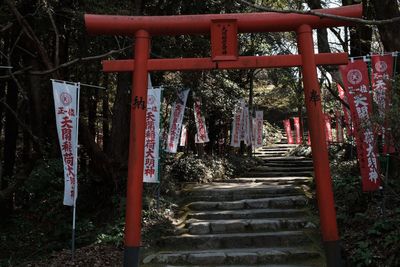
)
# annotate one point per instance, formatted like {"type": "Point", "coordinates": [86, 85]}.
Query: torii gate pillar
{"type": "Point", "coordinates": [312, 92]}
{"type": "Point", "coordinates": [224, 56]}
{"type": "Point", "coordinates": [133, 217]}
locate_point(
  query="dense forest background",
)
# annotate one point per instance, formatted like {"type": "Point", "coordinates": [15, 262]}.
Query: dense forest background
{"type": "Point", "coordinates": [46, 39]}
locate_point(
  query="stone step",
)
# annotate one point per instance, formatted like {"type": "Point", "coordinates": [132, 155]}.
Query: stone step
{"type": "Point", "coordinates": [237, 191]}
{"type": "Point", "coordinates": [278, 174]}
{"type": "Point", "coordinates": [246, 214]}
{"type": "Point", "coordinates": [288, 173]}
{"type": "Point", "coordinates": [267, 155]}
{"type": "Point", "coordinates": [233, 257]}
{"type": "Point", "coordinates": [237, 240]}
{"type": "Point", "coordinates": [271, 180]}
{"type": "Point", "coordinates": [284, 159]}
{"type": "Point", "coordinates": [198, 227]}
{"type": "Point", "coordinates": [277, 149]}
{"type": "Point", "coordinates": [303, 163]}
{"type": "Point", "coordinates": [259, 203]}
{"type": "Point", "coordinates": [263, 168]}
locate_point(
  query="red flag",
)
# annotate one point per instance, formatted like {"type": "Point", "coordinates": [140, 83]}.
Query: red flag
{"type": "Point", "coordinates": [297, 128]}
{"type": "Point", "coordinates": [355, 79]}
{"type": "Point", "coordinates": [288, 130]}
{"type": "Point", "coordinates": [382, 73]}
{"type": "Point", "coordinates": [328, 129]}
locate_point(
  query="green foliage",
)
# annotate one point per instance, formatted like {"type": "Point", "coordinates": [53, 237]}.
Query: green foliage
{"type": "Point", "coordinates": [369, 221]}
{"type": "Point", "coordinates": [191, 168]}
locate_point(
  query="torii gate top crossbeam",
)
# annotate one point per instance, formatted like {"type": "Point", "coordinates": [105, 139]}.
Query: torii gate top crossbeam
{"type": "Point", "coordinates": [200, 24]}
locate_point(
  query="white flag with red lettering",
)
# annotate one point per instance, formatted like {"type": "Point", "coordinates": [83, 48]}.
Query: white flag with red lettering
{"type": "Point", "coordinates": [66, 104]}
{"type": "Point", "coordinates": [175, 123]}
{"type": "Point", "coordinates": [152, 136]}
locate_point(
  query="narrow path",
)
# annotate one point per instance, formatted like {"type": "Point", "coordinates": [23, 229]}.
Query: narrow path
{"type": "Point", "coordinates": [260, 219]}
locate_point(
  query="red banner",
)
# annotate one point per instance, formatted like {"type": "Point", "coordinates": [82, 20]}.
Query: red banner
{"type": "Point", "coordinates": [346, 111]}
{"type": "Point", "coordinates": [288, 129]}
{"type": "Point", "coordinates": [297, 129]}
{"type": "Point", "coordinates": [309, 139]}
{"type": "Point", "coordinates": [382, 73]}
{"type": "Point", "coordinates": [355, 79]}
{"type": "Point", "coordinates": [339, 127]}
{"type": "Point", "coordinates": [328, 128]}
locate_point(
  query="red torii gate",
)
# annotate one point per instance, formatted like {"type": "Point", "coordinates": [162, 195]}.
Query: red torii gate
{"type": "Point", "coordinates": [224, 29]}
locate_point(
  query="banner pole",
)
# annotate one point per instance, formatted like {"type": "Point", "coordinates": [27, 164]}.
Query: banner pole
{"type": "Point", "coordinates": [73, 232]}
{"type": "Point", "coordinates": [160, 155]}
{"type": "Point", "coordinates": [76, 183]}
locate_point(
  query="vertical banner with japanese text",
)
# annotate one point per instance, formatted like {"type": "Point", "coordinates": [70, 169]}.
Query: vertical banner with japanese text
{"type": "Point", "coordinates": [184, 136]}
{"type": "Point", "coordinates": [66, 103]}
{"type": "Point", "coordinates": [355, 79]}
{"type": "Point", "coordinates": [175, 123]}
{"type": "Point", "coordinates": [346, 111]}
{"type": "Point", "coordinates": [382, 73]}
{"type": "Point", "coordinates": [202, 135]}
{"type": "Point", "coordinates": [245, 131]}
{"type": "Point", "coordinates": [259, 122]}
{"type": "Point", "coordinates": [296, 121]}
{"type": "Point", "coordinates": [152, 136]}
{"type": "Point", "coordinates": [328, 128]}
{"type": "Point", "coordinates": [237, 124]}
{"type": "Point", "coordinates": [288, 129]}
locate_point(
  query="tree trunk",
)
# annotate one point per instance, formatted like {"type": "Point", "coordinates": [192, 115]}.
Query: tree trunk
{"type": "Point", "coordinates": [360, 35]}
{"type": "Point", "coordinates": [389, 33]}
{"type": "Point", "coordinates": [105, 122]}
{"type": "Point", "coordinates": [120, 121]}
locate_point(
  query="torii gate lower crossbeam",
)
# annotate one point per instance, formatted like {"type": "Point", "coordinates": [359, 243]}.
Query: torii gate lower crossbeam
{"type": "Point", "coordinates": [224, 28]}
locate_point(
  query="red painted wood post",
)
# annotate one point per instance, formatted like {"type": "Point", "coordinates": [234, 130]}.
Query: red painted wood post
{"type": "Point", "coordinates": [323, 178]}
{"type": "Point", "coordinates": [133, 214]}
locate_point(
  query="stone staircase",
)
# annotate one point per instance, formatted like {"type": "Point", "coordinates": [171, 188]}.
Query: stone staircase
{"type": "Point", "coordinates": [260, 219]}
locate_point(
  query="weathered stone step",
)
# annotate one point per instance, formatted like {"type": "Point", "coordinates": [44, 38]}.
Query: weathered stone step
{"type": "Point", "coordinates": [268, 155]}
{"type": "Point", "coordinates": [268, 163]}
{"type": "Point", "coordinates": [237, 240]}
{"type": "Point", "coordinates": [246, 214]}
{"type": "Point", "coordinates": [263, 168]}
{"type": "Point", "coordinates": [198, 227]}
{"type": "Point", "coordinates": [237, 191]}
{"type": "Point", "coordinates": [288, 158]}
{"type": "Point", "coordinates": [271, 180]}
{"type": "Point", "coordinates": [278, 174]}
{"type": "Point", "coordinates": [259, 203]}
{"type": "Point", "coordinates": [277, 149]}
{"type": "Point", "coordinates": [233, 257]}
{"type": "Point", "coordinates": [269, 152]}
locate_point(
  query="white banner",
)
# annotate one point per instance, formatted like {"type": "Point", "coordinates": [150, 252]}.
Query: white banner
{"type": "Point", "coordinates": [66, 103]}
{"type": "Point", "coordinates": [237, 125]}
{"type": "Point", "coordinates": [259, 128]}
{"type": "Point", "coordinates": [152, 136]}
{"type": "Point", "coordinates": [202, 135]}
{"type": "Point", "coordinates": [175, 123]}
{"type": "Point", "coordinates": [184, 136]}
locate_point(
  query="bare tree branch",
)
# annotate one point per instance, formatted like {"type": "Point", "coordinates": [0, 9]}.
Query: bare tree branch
{"type": "Point", "coordinates": [30, 33]}
{"type": "Point", "coordinates": [69, 63]}
{"type": "Point", "coordinates": [57, 37]}
{"type": "Point", "coordinates": [64, 65]}
{"type": "Point", "coordinates": [321, 15]}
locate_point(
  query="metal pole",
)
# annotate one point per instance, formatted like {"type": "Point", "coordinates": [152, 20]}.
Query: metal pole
{"type": "Point", "coordinates": [136, 151]}
{"type": "Point", "coordinates": [73, 232]}
{"type": "Point", "coordinates": [325, 198]}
